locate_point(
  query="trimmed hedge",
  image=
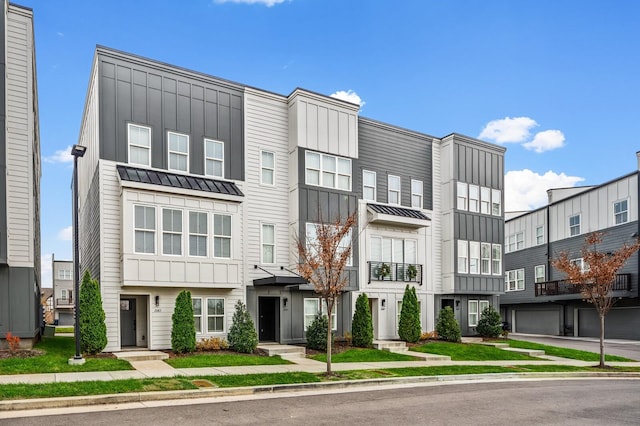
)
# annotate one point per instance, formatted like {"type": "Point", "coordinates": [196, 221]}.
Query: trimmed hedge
{"type": "Point", "coordinates": [447, 326]}
{"type": "Point", "coordinates": [242, 336]}
{"type": "Point", "coordinates": [317, 333]}
{"type": "Point", "coordinates": [93, 330]}
{"type": "Point", "coordinates": [362, 326]}
{"type": "Point", "coordinates": [183, 330]}
{"type": "Point", "coordinates": [490, 323]}
{"type": "Point", "coordinates": [409, 328]}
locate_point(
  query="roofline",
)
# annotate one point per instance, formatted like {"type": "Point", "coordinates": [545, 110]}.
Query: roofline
{"type": "Point", "coordinates": [469, 139]}
{"type": "Point", "coordinates": [382, 124]}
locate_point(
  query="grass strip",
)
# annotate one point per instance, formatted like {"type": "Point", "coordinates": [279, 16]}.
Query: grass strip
{"type": "Point", "coordinates": [223, 360]}
{"type": "Point", "coordinates": [565, 352]}
{"type": "Point", "coordinates": [64, 329]}
{"type": "Point", "coordinates": [364, 355]}
{"type": "Point", "coordinates": [471, 352]}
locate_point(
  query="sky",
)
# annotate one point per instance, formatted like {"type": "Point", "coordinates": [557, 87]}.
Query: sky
{"type": "Point", "coordinates": [555, 82]}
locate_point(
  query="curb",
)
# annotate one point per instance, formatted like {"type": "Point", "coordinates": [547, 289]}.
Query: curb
{"type": "Point", "coordinates": [78, 401]}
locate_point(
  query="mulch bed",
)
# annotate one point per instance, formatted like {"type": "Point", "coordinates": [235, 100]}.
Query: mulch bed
{"type": "Point", "coordinates": [20, 353]}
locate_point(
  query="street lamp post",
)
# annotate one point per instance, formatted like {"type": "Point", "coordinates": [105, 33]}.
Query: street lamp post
{"type": "Point", "coordinates": [77, 151]}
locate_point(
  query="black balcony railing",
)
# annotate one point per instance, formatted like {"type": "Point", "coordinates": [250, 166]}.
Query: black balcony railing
{"type": "Point", "coordinates": [560, 287]}
{"type": "Point", "coordinates": [60, 302]}
{"type": "Point", "coordinates": [389, 271]}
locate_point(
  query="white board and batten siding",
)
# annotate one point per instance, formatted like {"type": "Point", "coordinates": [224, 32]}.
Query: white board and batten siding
{"type": "Point", "coordinates": [528, 224]}
{"type": "Point", "coordinates": [444, 203]}
{"type": "Point", "coordinates": [89, 137]}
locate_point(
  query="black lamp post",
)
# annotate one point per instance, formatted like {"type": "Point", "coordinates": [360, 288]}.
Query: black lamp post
{"type": "Point", "coordinates": [77, 151]}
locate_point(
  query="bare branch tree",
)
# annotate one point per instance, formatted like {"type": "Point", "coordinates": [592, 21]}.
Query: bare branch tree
{"type": "Point", "coordinates": [596, 276]}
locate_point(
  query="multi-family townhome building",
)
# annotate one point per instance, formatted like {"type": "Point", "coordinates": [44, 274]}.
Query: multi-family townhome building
{"type": "Point", "coordinates": [537, 299]}
{"type": "Point", "coordinates": [20, 311]}
{"type": "Point", "coordinates": [63, 291]}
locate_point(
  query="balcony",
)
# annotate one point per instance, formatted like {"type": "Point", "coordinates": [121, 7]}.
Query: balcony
{"type": "Point", "coordinates": [64, 302]}
{"type": "Point", "coordinates": [560, 287]}
{"type": "Point", "coordinates": [399, 272]}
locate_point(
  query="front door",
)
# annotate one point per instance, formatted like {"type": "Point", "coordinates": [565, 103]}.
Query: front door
{"type": "Point", "coordinates": [127, 322]}
{"type": "Point", "coordinates": [268, 318]}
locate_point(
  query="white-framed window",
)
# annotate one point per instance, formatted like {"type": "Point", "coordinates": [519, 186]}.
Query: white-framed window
{"type": "Point", "coordinates": [399, 311]}
{"type": "Point", "coordinates": [144, 229]}
{"type": "Point", "coordinates": [519, 240]}
{"type": "Point", "coordinates": [139, 138]}
{"type": "Point", "coordinates": [268, 242]}
{"type": "Point", "coordinates": [514, 280]}
{"type": "Point", "coordinates": [394, 190]}
{"type": "Point", "coordinates": [311, 239]}
{"type": "Point", "coordinates": [510, 243]}
{"type": "Point", "coordinates": [416, 193]}
{"type": "Point", "coordinates": [496, 259]}
{"type": "Point", "coordinates": [539, 235]}
{"type": "Point", "coordinates": [496, 202]}
{"type": "Point", "coordinates": [484, 304]}
{"type": "Point", "coordinates": [312, 309]}
{"type": "Point", "coordinates": [172, 232]}
{"type": "Point", "coordinates": [267, 168]}
{"type": "Point", "coordinates": [213, 158]}
{"type": "Point", "coordinates": [580, 263]}
{"type": "Point", "coordinates": [64, 274]}
{"type": "Point", "coordinates": [485, 200]}
{"type": "Point", "coordinates": [369, 185]}
{"type": "Point", "coordinates": [621, 212]}
{"type": "Point", "coordinates": [215, 315]}
{"type": "Point", "coordinates": [574, 225]}
{"type": "Point", "coordinates": [485, 259]}
{"type": "Point", "coordinates": [328, 171]}
{"type": "Point", "coordinates": [198, 233]}
{"type": "Point", "coordinates": [178, 151]}
{"type": "Point", "coordinates": [63, 294]}
{"type": "Point", "coordinates": [395, 250]}
{"type": "Point", "coordinates": [474, 198]}
{"type": "Point", "coordinates": [463, 257]}
{"type": "Point", "coordinates": [474, 314]}
{"type": "Point", "coordinates": [197, 313]}
{"type": "Point", "coordinates": [539, 274]}
{"type": "Point", "coordinates": [474, 257]}
{"type": "Point", "coordinates": [462, 196]}
{"type": "Point", "coordinates": [222, 235]}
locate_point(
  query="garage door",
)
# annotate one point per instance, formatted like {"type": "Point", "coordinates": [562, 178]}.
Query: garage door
{"type": "Point", "coordinates": [538, 322]}
{"type": "Point", "coordinates": [620, 323]}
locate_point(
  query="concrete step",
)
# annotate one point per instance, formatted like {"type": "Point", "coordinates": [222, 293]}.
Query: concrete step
{"type": "Point", "coordinates": [133, 356]}
{"type": "Point", "coordinates": [284, 350]}
{"type": "Point", "coordinates": [389, 345]}
{"type": "Point", "coordinates": [428, 357]}
{"type": "Point", "coordinates": [495, 344]}
{"type": "Point", "coordinates": [530, 352]}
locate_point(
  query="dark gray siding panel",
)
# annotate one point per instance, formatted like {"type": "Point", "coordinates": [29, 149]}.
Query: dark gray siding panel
{"type": "Point", "coordinates": [527, 259]}
{"type": "Point", "coordinates": [477, 166]}
{"type": "Point", "coordinates": [19, 303]}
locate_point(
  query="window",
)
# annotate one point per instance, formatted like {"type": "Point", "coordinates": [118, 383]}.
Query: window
{"type": "Point", "coordinates": [328, 171]}
{"type": "Point", "coordinates": [620, 211]}
{"type": "Point", "coordinates": [485, 258]}
{"type": "Point", "coordinates": [485, 200]}
{"type": "Point", "coordinates": [215, 315]}
{"type": "Point", "coordinates": [312, 309]}
{"type": "Point", "coordinates": [213, 158]}
{"type": "Point", "coordinates": [64, 294]}
{"type": "Point", "coordinates": [311, 239]}
{"type": "Point", "coordinates": [178, 152]}
{"type": "Point", "coordinates": [463, 257]}
{"type": "Point", "coordinates": [197, 313]}
{"type": "Point", "coordinates": [172, 232]}
{"type": "Point", "coordinates": [267, 167]}
{"type": "Point", "coordinates": [268, 243]}
{"type": "Point", "coordinates": [473, 313]}
{"type": "Point", "coordinates": [474, 195]}
{"type": "Point", "coordinates": [496, 202]}
{"type": "Point", "coordinates": [496, 259]}
{"type": "Point", "coordinates": [394, 189]}
{"type": "Point", "coordinates": [474, 257]}
{"type": "Point", "coordinates": [221, 235]}
{"type": "Point", "coordinates": [64, 274]}
{"type": "Point", "coordinates": [574, 225]}
{"type": "Point", "coordinates": [145, 229]}
{"type": "Point", "coordinates": [510, 243]}
{"type": "Point", "coordinates": [519, 240]}
{"type": "Point", "coordinates": [539, 235]}
{"type": "Point", "coordinates": [395, 250]}
{"type": "Point", "coordinates": [198, 233]}
{"type": "Point", "coordinates": [416, 194]}
{"type": "Point", "coordinates": [368, 185]}
{"type": "Point", "coordinates": [580, 263]}
{"type": "Point", "coordinates": [539, 274]}
{"type": "Point", "coordinates": [139, 144]}
{"type": "Point", "coordinates": [462, 196]}
{"type": "Point", "coordinates": [514, 280]}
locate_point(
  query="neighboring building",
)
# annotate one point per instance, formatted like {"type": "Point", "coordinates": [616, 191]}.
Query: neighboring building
{"type": "Point", "coordinates": [46, 302]}
{"type": "Point", "coordinates": [193, 182]}
{"type": "Point", "coordinates": [63, 292]}
{"type": "Point", "coordinates": [20, 311]}
{"type": "Point", "coordinates": [536, 299]}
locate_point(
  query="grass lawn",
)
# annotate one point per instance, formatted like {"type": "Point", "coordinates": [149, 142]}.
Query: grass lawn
{"type": "Point", "coordinates": [471, 352]}
{"type": "Point", "coordinates": [64, 329]}
{"type": "Point", "coordinates": [364, 355]}
{"type": "Point", "coordinates": [223, 360]}
{"type": "Point", "coordinates": [565, 352]}
{"type": "Point", "coordinates": [55, 359]}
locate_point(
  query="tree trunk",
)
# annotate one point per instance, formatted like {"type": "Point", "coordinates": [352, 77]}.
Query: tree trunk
{"type": "Point", "coordinates": [329, 339]}
{"type": "Point", "coordinates": [602, 365]}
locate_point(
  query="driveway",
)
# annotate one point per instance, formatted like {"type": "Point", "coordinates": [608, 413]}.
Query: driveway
{"type": "Point", "coordinates": [626, 348]}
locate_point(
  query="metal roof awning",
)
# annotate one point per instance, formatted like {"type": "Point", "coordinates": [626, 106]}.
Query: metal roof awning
{"type": "Point", "coordinates": [279, 280]}
{"type": "Point", "coordinates": [397, 216]}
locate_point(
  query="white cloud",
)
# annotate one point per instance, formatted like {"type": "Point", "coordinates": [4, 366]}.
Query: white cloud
{"type": "Point", "coordinates": [349, 96]}
{"type": "Point", "coordinates": [267, 3]}
{"type": "Point", "coordinates": [60, 34]}
{"type": "Point", "coordinates": [526, 190]}
{"type": "Point", "coordinates": [60, 156]}
{"type": "Point", "coordinates": [546, 141]}
{"type": "Point", "coordinates": [45, 270]}
{"type": "Point", "coordinates": [508, 130]}
{"type": "Point", "coordinates": [66, 234]}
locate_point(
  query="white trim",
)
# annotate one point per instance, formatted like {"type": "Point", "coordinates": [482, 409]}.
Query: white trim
{"type": "Point", "coordinates": [475, 206]}
{"type": "Point", "coordinates": [536, 269]}
{"type": "Point", "coordinates": [263, 168]}
{"type": "Point", "coordinates": [417, 194]}
{"type": "Point", "coordinates": [229, 237]}
{"type": "Point", "coordinates": [221, 160]}
{"type": "Point", "coordinates": [178, 153]}
{"type": "Point", "coordinates": [201, 314]}
{"type": "Point", "coordinates": [579, 225]}
{"type": "Point", "coordinates": [155, 229]}
{"type": "Point", "coordinates": [223, 315]}
{"type": "Point", "coordinates": [172, 232]}
{"type": "Point", "coordinates": [129, 144]}
{"type": "Point", "coordinates": [336, 173]}
{"type": "Point", "coordinates": [462, 196]}
{"type": "Point", "coordinates": [625, 212]}
{"type": "Point", "coordinates": [515, 276]}
{"type": "Point", "coordinates": [375, 185]}
{"type": "Point", "coordinates": [334, 314]}
{"type": "Point", "coordinates": [189, 234]}
{"type": "Point", "coordinates": [262, 243]}
{"type": "Point", "coordinates": [398, 191]}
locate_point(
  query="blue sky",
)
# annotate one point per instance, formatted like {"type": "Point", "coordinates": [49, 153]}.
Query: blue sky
{"type": "Point", "coordinates": [556, 82]}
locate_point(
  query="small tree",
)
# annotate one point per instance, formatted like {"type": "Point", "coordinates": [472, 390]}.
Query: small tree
{"type": "Point", "coordinates": [93, 330]}
{"type": "Point", "coordinates": [490, 323]}
{"type": "Point", "coordinates": [317, 333]}
{"type": "Point", "coordinates": [447, 326]}
{"type": "Point", "coordinates": [595, 280]}
{"type": "Point", "coordinates": [409, 328]}
{"type": "Point", "coordinates": [362, 326]}
{"type": "Point", "coordinates": [183, 330]}
{"type": "Point", "coordinates": [242, 335]}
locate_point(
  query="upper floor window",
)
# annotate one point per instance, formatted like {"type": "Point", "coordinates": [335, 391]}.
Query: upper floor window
{"type": "Point", "coordinates": [394, 190]}
{"type": "Point", "coordinates": [474, 257]}
{"type": "Point", "coordinates": [515, 242]}
{"type": "Point", "coordinates": [496, 202]}
{"type": "Point", "coordinates": [579, 263]}
{"type": "Point", "coordinates": [485, 258]}
{"type": "Point", "coordinates": [416, 194]}
{"type": "Point", "coordinates": [198, 233]}
{"type": "Point", "coordinates": [139, 138]}
{"type": "Point", "coordinates": [144, 229]}
{"type": "Point", "coordinates": [574, 225]}
{"type": "Point", "coordinates": [463, 257]}
{"type": "Point", "coordinates": [514, 280]}
{"type": "Point", "coordinates": [519, 240]}
{"type": "Point", "coordinates": [267, 168]}
{"type": "Point", "coordinates": [539, 274]}
{"type": "Point", "coordinates": [368, 185]}
{"type": "Point", "coordinates": [311, 238]}
{"type": "Point", "coordinates": [64, 274]}
{"type": "Point", "coordinates": [539, 235]}
{"type": "Point", "coordinates": [485, 200]}
{"type": "Point", "coordinates": [621, 211]}
{"type": "Point", "coordinates": [268, 243]}
{"type": "Point", "coordinates": [172, 232]}
{"type": "Point", "coordinates": [178, 152]}
{"type": "Point", "coordinates": [496, 259]}
{"type": "Point", "coordinates": [474, 198]}
{"type": "Point", "coordinates": [395, 250]}
{"type": "Point", "coordinates": [328, 171]}
{"type": "Point", "coordinates": [462, 196]}
{"type": "Point", "coordinates": [221, 235]}
{"type": "Point", "coordinates": [213, 158]}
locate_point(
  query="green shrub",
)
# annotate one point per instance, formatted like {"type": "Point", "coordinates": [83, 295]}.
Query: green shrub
{"type": "Point", "coordinates": [93, 330]}
{"type": "Point", "coordinates": [409, 328]}
{"type": "Point", "coordinates": [447, 327]}
{"type": "Point", "coordinates": [242, 335]}
{"type": "Point", "coordinates": [183, 330]}
{"type": "Point", "coordinates": [317, 333]}
{"type": "Point", "coordinates": [362, 326]}
{"type": "Point", "coordinates": [490, 323]}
